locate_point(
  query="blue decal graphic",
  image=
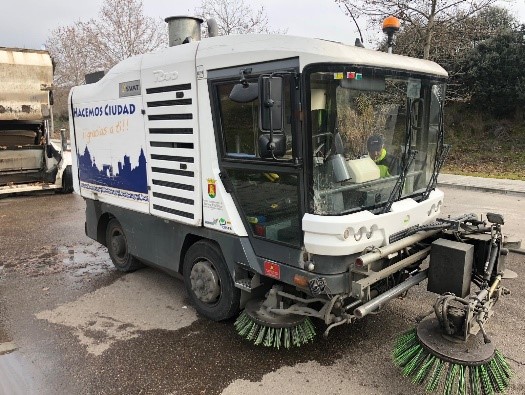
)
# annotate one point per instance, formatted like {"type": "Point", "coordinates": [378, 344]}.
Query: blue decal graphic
{"type": "Point", "coordinates": [141, 197]}
{"type": "Point", "coordinates": [125, 178]}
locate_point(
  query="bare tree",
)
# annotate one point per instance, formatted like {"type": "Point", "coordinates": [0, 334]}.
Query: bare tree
{"type": "Point", "coordinates": [120, 31]}
{"type": "Point", "coordinates": [426, 17]}
{"type": "Point", "coordinates": [67, 46]}
{"type": "Point", "coordinates": [235, 17]}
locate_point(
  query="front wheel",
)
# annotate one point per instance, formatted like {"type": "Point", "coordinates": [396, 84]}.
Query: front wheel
{"type": "Point", "coordinates": [118, 248]}
{"type": "Point", "coordinates": [209, 283]}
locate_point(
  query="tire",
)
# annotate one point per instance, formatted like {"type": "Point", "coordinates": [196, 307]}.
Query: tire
{"type": "Point", "coordinates": [118, 248]}
{"type": "Point", "coordinates": [67, 180]}
{"type": "Point", "coordinates": [209, 283]}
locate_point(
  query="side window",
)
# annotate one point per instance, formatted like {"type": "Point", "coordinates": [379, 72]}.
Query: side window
{"type": "Point", "coordinates": [240, 122]}
{"type": "Point", "coordinates": [270, 203]}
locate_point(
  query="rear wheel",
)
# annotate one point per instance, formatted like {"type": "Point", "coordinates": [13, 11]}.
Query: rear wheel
{"type": "Point", "coordinates": [209, 283]}
{"type": "Point", "coordinates": [118, 248]}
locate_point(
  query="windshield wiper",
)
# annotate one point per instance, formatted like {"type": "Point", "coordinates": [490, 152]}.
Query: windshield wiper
{"type": "Point", "coordinates": [398, 188]}
{"type": "Point", "coordinates": [441, 155]}
{"type": "Point", "coordinates": [410, 155]}
{"type": "Point", "coordinates": [440, 160]}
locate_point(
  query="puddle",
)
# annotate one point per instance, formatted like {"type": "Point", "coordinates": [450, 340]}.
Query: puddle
{"type": "Point", "coordinates": [15, 377]}
{"type": "Point", "coordinates": [77, 261]}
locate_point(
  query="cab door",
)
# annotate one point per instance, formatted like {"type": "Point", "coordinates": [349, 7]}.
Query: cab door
{"type": "Point", "coordinates": [265, 188]}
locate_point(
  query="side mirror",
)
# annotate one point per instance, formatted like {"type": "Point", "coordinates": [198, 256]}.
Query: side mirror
{"type": "Point", "coordinates": [271, 111]}
{"type": "Point", "coordinates": [244, 93]}
{"type": "Point", "coordinates": [49, 151]}
{"type": "Point", "coordinates": [272, 145]}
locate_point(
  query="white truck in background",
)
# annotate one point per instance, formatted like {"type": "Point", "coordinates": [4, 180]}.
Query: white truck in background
{"type": "Point", "coordinates": [29, 159]}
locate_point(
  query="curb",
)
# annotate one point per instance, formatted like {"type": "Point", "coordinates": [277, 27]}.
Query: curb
{"type": "Point", "coordinates": [520, 251]}
{"type": "Point", "coordinates": [6, 348]}
{"type": "Point", "coordinates": [482, 189]}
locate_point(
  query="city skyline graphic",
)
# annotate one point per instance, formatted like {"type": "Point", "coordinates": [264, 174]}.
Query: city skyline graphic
{"type": "Point", "coordinates": [125, 177]}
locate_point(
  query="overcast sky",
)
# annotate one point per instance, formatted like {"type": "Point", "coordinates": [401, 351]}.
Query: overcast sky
{"type": "Point", "coordinates": [27, 23]}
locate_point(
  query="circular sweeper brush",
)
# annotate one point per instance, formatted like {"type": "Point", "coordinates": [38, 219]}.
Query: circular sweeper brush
{"type": "Point", "coordinates": [262, 327]}
{"type": "Point", "coordinates": [459, 367]}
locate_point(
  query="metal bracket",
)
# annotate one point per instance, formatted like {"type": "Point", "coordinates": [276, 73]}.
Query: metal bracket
{"type": "Point", "coordinates": [276, 295]}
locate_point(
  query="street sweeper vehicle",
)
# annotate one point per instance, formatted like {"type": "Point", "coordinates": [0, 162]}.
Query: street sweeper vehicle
{"type": "Point", "coordinates": [290, 179]}
{"type": "Point", "coordinates": [30, 160]}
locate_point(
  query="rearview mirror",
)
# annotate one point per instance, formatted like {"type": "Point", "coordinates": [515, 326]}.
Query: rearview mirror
{"type": "Point", "coordinates": [245, 93]}
{"type": "Point", "coordinates": [271, 111]}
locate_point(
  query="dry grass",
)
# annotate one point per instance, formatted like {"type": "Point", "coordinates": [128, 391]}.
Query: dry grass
{"type": "Point", "coordinates": [483, 146]}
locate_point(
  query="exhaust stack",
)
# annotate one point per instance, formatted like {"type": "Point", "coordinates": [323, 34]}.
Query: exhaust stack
{"type": "Point", "coordinates": [213, 28]}
{"type": "Point", "coordinates": [183, 29]}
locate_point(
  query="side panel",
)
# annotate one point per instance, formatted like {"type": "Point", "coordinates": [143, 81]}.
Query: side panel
{"type": "Point", "coordinates": [109, 139]}
{"type": "Point", "coordinates": [20, 159]}
{"type": "Point", "coordinates": [169, 89]}
{"type": "Point", "coordinates": [159, 242]}
{"type": "Point", "coordinates": [21, 165]}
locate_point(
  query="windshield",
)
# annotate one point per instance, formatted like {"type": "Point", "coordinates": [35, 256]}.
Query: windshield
{"type": "Point", "coordinates": [374, 137]}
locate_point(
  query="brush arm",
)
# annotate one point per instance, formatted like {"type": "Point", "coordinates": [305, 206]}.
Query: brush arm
{"type": "Point", "coordinates": [461, 317]}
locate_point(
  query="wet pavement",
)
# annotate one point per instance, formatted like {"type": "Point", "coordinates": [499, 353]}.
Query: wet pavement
{"type": "Point", "coordinates": [15, 378]}
{"type": "Point", "coordinates": [79, 326]}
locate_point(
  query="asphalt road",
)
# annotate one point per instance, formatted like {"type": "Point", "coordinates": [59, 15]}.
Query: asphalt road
{"type": "Point", "coordinates": [70, 323]}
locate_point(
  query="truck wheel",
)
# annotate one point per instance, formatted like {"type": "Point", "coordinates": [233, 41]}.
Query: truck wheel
{"type": "Point", "coordinates": [209, 282]}
{"type": "Point", "coordinates": [118, 248]}
{"type": "Point", "coordinates": [67, 180]}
